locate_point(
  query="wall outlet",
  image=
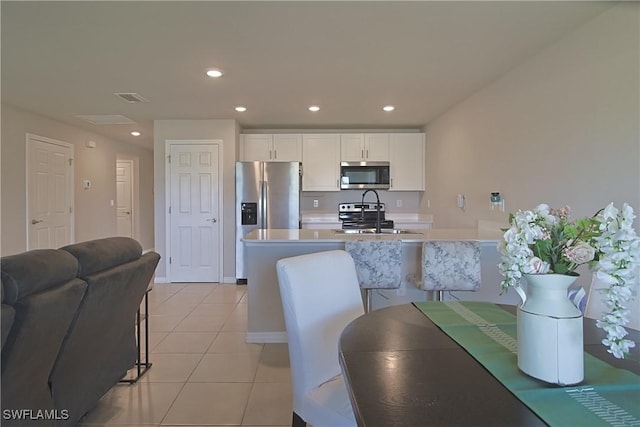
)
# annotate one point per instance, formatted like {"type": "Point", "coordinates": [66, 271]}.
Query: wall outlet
{"type": "Point", "coordinates": [398, 203]}
{"type": "Point", "coordinates": [315, 203]}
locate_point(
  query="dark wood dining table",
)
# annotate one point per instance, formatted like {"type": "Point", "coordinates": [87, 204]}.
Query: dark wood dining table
{"type": "Point", "coordinates": [402, 370]}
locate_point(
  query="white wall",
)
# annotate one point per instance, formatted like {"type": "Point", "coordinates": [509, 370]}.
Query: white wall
{"type": "Point", "coordinates": [561, 128]}
{"type": "Point", "coordinates": [225, 130]}
{"type": "Point", "coordinates": [94, 217]}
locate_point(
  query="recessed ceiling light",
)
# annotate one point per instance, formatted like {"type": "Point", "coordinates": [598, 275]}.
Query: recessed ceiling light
{"type": "Point", "coordinates": [214, 72]}
{"type": "Point", "coordinates": [388, 108]}
{"type": "Point", "coordinates": [241, 109]}
{"type": "Point", "coordinates": [135, 133]}
{"type": "Point", "coordinates": [314, 108]}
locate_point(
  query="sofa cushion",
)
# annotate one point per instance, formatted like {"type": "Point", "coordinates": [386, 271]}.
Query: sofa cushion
{"type": "Point", "coordinates": [34, 271]}
{"type": "Point", "coordinates": [6, 321]}
{"type": "Point", "coordinates": [102, 254]}
{"type": "Point", "coordinates": [33, 344]}
{"type": "Point", "coordinates": [105, 326]}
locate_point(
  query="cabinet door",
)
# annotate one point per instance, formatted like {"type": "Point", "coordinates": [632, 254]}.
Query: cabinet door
{"type": "Point", "coordinates": [376, 147]}
{"type": "Point", "coordinates": [256, 147]}
{"type": "Point", "coordinates": [287, 148]}
{"type": "Point", "coordinates": [321, 162]}
{"type": "Point", "coordinates": [407, 161]}
{"type": "Point", "coordinates": [352, 147]}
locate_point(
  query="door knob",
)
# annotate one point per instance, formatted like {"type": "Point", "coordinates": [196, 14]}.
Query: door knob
{"type": "Point", "coordinates": [128, 213]}
{"type": "Point", "coordinates": [36, 221]}
{"type": "Point", "coordinates": [212, 220]}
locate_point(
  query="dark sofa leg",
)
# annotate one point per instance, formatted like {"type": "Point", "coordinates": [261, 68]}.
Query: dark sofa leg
{"type": "Point", "coordinates": [297, 421]}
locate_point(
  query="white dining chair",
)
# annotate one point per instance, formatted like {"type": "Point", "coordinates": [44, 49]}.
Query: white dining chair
{"type": "Point", "coordinates": [320, 296]}
{"type": "Point", "coordinates": [378, 264]}
{"type": "Point", "coordinates": [449, 266]}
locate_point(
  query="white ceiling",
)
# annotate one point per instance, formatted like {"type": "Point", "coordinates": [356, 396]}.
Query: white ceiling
{"type": "Point", "coordinates": [64, 59]}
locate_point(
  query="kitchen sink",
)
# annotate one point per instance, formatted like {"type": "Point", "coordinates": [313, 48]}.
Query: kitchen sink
{"type": "Point", "coordinates": [373, 231]}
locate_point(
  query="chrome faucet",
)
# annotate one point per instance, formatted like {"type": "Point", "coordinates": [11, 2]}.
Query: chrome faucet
{"type": "Point", "coordinates": [378, 227]}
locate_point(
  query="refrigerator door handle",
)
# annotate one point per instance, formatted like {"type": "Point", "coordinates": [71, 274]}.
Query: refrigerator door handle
{"type": "Point", "coordinates": [263, 205]}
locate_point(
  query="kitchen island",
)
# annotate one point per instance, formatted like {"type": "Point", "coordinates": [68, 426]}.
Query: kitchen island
{"type": "Point", "coordinates": [265, 247]}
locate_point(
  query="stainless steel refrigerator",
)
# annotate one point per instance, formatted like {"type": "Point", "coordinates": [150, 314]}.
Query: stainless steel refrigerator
{"type": "Point", "coordinates": [267, 196]}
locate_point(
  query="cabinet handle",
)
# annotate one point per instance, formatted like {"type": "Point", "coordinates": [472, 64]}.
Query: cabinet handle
{"type": "Point", "coordinates": [275, 154]}
{"type": "Point", "coordinates": [362, 154]}
{"type": "Point", "coordinates": [270, 154]}
{"type": "Point", "coordinates": [367, 154]}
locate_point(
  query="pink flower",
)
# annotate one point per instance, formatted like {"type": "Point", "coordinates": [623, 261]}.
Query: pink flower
{"type": "Point", "coordinates": [536, 266]}
{"type": "Point", "coordinates": [580, 253]}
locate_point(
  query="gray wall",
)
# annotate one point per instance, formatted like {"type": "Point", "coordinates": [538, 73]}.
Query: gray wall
{"type": "Point", "coordinates": [561, 128]}
{"type": "Point", "coordinates": [94, 217]}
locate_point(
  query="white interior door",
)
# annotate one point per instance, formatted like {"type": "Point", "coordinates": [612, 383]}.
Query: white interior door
{"type": "Point", "coordinates": [194, 208]}
{"type": "Point", "coordinates": [124, 198]}
{"type": "Point", "coordinates": [50, 193]}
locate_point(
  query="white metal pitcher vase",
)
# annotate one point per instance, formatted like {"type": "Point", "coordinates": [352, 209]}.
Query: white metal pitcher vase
{"type": "Point", "coordinates": [550, 337]}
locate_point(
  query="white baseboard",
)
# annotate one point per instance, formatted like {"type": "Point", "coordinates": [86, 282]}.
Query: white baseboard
{"type": "Point", "coordinates": [160, 280]}
{"type": "Point", "coordinates": [231, 279]}
{"type": "Point", "coordinates": [266, 337]}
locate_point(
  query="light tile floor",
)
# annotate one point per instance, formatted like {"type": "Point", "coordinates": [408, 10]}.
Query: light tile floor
{"type": "Point", "coordinates": [203, 373]}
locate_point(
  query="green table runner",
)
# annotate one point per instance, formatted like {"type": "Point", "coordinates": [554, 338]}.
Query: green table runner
{"type": "Point", "coordinates": [607, 396]}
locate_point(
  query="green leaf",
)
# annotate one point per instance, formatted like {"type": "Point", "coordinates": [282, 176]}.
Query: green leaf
{"type": "Point", "coordinates": [570, 231]}
{"type": "Point", "coordinates": [561, 268]}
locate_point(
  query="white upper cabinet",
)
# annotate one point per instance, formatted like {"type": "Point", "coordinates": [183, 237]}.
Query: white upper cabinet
{"type": "Point", "coordinates": [407, 161]}
{"type": "Point", "coordinates": [321, 162]}
{"type": "Point", "coordinates": [359, 147]}
{"type": "Point", "coordinates": [321, 155]}
{"type": "Point", "coordinates": [256, 147]}
{"type": "Point", "coordinates": [376, 147]}
{"type": "Point", "coordinates": [287, 147]}
{"type": "Point", "coordinates": [271, 147]}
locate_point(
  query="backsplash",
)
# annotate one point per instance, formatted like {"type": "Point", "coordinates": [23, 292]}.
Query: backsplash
{"type": "Point", "coordinates": [328, 201]}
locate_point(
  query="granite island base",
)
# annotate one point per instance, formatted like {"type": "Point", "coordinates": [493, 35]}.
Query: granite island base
{"type": "Point", "coordinates": [263, 248]}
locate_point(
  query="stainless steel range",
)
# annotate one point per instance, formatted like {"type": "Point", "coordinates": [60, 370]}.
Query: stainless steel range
{"type": "Point", "coordinates": [355, 215]}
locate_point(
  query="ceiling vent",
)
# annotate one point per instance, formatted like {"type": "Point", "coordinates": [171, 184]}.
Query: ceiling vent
{"type": "Point", "coordinates": [133, 98]}
{"type": "Point", "coordinates": [107, 119]}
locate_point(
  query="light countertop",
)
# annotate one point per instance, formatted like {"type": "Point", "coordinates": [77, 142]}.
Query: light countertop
{"type": "Point", "coordinates": [261, 236]}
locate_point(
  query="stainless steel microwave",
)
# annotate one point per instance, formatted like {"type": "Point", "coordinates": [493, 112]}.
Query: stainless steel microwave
{"type": "Point", "coordinates": [364, 175]}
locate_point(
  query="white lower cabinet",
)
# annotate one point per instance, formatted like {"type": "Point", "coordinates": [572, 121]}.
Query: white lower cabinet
{"type": "Point", "coordinates": [320, 162]}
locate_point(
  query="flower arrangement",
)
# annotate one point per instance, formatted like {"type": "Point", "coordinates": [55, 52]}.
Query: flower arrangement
{"type": "Point", "coordinates": [544, 241]}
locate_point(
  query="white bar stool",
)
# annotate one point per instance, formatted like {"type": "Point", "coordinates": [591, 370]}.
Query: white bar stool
{"type": "Point", "coordinates": [378, 264]}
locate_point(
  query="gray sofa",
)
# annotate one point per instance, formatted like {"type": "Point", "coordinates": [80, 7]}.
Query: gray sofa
{"type": "Point", "coordinates": [73, 332]}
